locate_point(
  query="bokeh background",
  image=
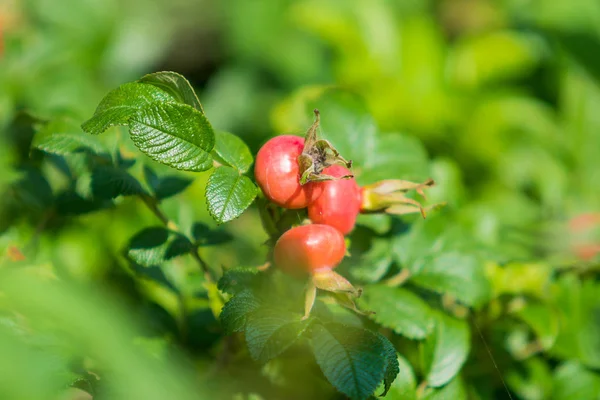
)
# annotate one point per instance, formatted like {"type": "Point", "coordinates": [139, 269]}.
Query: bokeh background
{"type": "Point", "coordinates": [503, 98]}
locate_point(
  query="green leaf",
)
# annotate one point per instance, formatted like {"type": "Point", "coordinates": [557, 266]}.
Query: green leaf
{"type": "Point", "coordinates": [231, 150]}
{"type": "Point", "coordinates": [33, 190]}
{"type": "Point", "coordinates": [578, 305]}
{"type": "Point", "coordinates": [445, 350]}
{"type": "Point", "coordinates": [63, 136]}
{"type": "Point", "coordinates": [372, 265]}
{"type": "Point", "coordinates": [532, 380]}
{"type": "Point", "coordinates": [228, 194]}
{"type": "Point", "coordinates": [236, 280]}
{"type": "Point", "coordinates": [154, 273]}
{"type": "Point", "coordinates": [573, 381]}
{"type": "Point", "coordinates": [236, 311]}
{"type": "Point", "coordinates": [175, 85]}
{"type": "Point", "coordinates": [455, 390]}
{"type": "Point", "coordinates": [543, 321]}
{"type": "Point", "coordinates": [398, 309]}
{"type": "Point", "coordinates": [71, 203]}
{"type": "Point", "coordinates": [404, 386]}
{"type": "Point", "coordinates": [109, 182]}
{"type": "Point", "coordinates": [165, 186]}
{"type": "Point", "coordinates": [205, 236]}
{"type": "Point", "coordinates": [174, 134]}
{"type": "Point", "coordinates": [392, 368]}
{"type": "Point", "coordinates": [395, 156]}
{"type": "Point", "coordinates": [457, 274]}
{"type": "Point", "coordinates": [117, 107]}
{"type": "Point", "coordinates": [379, 223]}
{"type": "Point", "coordinates": [66, 143]}
{"type": "Point", "coordinates": [577, 44]}
{"type": "Point", "coordinates": [270, 332]}
{"type": "Point", "coordinates": [153, 246]}
{"type": "Point", "coordinates": [351, 358]}
{"type": "Point", "coordinates": [518, 278]}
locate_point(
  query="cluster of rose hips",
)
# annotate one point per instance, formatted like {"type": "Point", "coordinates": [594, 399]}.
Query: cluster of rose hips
{"type": "Point", "coordinates": [309, 173]}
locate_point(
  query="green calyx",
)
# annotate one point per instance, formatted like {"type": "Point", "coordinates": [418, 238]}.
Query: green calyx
{"type": "Point", "coordinates": [317, 155]}
{"type": "Point", "coordinates": [341, 291]}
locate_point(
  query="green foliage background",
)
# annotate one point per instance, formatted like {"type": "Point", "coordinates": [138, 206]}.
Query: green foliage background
{"type": "Point", "coordinates": [498, 101]}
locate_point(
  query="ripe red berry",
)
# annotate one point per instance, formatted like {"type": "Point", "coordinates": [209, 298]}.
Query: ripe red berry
{"type": "Point", "coordinates": [340, 202]}
{"type": "Point", "coordinates": [277, 172]}
{"type": "Point", "coordinates": [308, 249]}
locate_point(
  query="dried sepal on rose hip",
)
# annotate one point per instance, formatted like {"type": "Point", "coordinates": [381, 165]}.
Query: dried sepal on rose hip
{"type": "Point", "coordinates": [288, 168]}
{"type": "Point", "coordinates": [389, 196]}
{"type": "Point", "coordinates": [317, 155]}
{"type": "Point", "coordinates": [313, 251]}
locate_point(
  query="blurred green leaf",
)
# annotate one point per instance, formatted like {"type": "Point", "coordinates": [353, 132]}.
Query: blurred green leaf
{"type": "Point", "coordinates": [71, 203]}
{"type": "Point", "coordinates": [493, 57]}
{"type": "Point", "coordinates": [231, 150]}
{"type": "Point", "coordinates": [270, 332]}
{"type": "Point", "coordinates": [174, 134]}
{"type": "Point", "coordinates": [460, 275]}
{"type": "Point", "coordinates": [372, 265]}
{"type": "Point", "coordinates": [350, 358]}
{"type": "Point", "coordinates": [578, 306]}
{"type": "Point", "coordinates": [66, 143]}
{"type": "Point", "coordinates": [445, 351]}
{"type": "Point", "coordinates": [175, 85]}
{"type": "Point", "coordinates": [398, 309]}
{"type": "Point", "coordinates": [119, 105]}
{"type": "Point", "coordinates": [109, 182]}
{"type": "Point", "coordinates": [165, 186]}
{"type": "Point", "coordinates": [573, 381]}
{"type": "Point", "coordinates": [206, 236]}
{"type": "Point", "coordinates": [380, 223]}
{"type": "Point", "coordinates": [63, 136]}
{"type": "Point", "coordinates": [50, 371]}
{"type": "Point", "coordinates": [532, 380]}
{"type": "Point", "coordinates": [153, 246]}
{"type": "Point", "coordinates": [515, 278]}
{"type": "Point", "coordinates": [454, 390]}
{"type": "Point", "coordinates": [543, 321]}
{"type": "Point", "coordinates": [404, 386]}
{"type": "Point", "coordinates": [92, 325]}
{"type": "Point", "coordinates": [33, 190]}
{"type": "Point", "coordinates": [395, 156]}
{"type": "Point", "coordinates": [228, 194]}
{"type": "Point", "coordinates": [578, 45]}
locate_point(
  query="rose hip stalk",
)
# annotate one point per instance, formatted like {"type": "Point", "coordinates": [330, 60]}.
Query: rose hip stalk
{"type": "Point", "coordinates": [288, 168]}
{"type": "Point", "coordinates": [313, 251]}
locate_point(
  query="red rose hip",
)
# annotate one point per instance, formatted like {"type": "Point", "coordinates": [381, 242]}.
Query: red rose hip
{"type": "Point", "coordinates": [277, 172]}
{"type": "Point", "coordinates": [339, 204]}
{"type": "Point", "coordinates": [308, 249]}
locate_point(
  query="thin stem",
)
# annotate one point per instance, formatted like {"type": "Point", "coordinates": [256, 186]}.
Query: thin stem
{"type": "Point", "coordinates": [43, 222]}
{"type": "Point", "coordinates": [421, 389]}
{"type": "Point", "coordinates": [152, 205]}
{"type": "Point", "coordinates": [208, 274]}
{"type": "Point", "coordinates": [398, 279]}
